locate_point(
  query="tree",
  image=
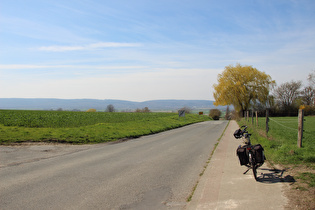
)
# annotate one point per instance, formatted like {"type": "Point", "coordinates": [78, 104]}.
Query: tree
{"type": "Point", "coordinates": [146, 110]}
{"type": "Point", "coordinates": [287, 94]}
{"type": "Point", "coordinates": [308, 95]}
{"type": "Point", "coordinates": [110, 108]}
{"type": "Point", "coordinates": [311, 79]}
{"type": "Point", "coordinates": [227, 113]}
{"type": "Point", "coordinates": [242, 86]}
{"type": "Point", "coordinates": [186, 109]}
{"type": "Point", "coordinates": [309, 91]}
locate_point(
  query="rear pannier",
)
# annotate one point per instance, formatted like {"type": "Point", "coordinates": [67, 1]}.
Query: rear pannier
{"type": "Point", "coordinates": [242, 154]}
{"type": "Point", "coordinates": [259, 153]}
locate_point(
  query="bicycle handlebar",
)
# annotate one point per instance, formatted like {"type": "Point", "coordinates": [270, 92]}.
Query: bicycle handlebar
{"type": "Point", "coordinates": [244, 130]}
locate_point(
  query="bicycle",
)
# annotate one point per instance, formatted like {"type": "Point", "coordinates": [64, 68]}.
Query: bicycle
{"type": "Point", "coordinates": [252, 156]}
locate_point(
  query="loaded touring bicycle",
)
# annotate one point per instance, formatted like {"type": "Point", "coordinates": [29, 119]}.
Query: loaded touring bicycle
{"type": "Point", "coordinates": [251, 156]}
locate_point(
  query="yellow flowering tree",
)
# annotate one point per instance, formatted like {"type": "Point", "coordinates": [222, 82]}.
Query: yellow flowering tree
{"type": "Point", "coordinates": [242, 86]}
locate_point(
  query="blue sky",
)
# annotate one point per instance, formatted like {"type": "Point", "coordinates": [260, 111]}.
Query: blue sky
{"type": "Point", "coordinates": [143, 50]}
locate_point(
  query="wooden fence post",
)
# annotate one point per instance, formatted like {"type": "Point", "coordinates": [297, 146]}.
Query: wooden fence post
{"type": "Point", "coordinates": [252, 117]}
{"type": "Point", "coordinates": [247, 113]}
{"type": "Point", "coordinates": [267, 120]}
{"type": "Point", "coordinates": [300, 132]}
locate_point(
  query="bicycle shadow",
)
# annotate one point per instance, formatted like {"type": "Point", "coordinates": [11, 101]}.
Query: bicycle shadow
{"type": "Point", "coordinates": [271, 176]}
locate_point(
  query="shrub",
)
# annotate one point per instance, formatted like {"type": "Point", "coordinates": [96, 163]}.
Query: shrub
{"type": "Point", "coordinates": [187, 109]}
{"type": "Point", "coordinates": [215, 114]}
{"type": "Point", "coordinates": [91, 110]}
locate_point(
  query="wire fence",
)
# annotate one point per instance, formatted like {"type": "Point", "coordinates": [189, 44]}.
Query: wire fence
{"type": "Point", "coordinates": [280, 122]}
{"type": "Point", "coordinates": [283, 125]}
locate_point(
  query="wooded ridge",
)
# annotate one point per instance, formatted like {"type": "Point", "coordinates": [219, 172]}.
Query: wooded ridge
{"type": "Point", "coordinates": [84, 104]}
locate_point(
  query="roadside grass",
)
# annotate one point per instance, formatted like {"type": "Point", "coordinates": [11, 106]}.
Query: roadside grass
{"type": "Point", "coordinates": [281, 142]}
{"type": "Point", "coordinates": [281, 150]}
{"type": "Point", "coordinates": [307, 177]}
{"type": "Point", "coordinates": [85, 128]}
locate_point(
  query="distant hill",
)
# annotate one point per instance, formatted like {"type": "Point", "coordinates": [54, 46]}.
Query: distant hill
{"type": "Point", "coordinates": [84, 104]}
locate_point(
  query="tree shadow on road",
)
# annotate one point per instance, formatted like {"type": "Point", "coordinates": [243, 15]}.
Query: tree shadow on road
{"type": "Point", "coordinates": [270, 176]}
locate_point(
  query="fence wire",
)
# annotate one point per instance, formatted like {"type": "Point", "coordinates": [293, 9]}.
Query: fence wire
{"type": "Point", "coordinates": [284, 125]}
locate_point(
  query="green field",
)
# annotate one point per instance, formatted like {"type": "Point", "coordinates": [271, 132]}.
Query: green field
{"type": "Point", "coordinates": [85, 127]}
{"type": "Point", "coordinates": [281, 144]}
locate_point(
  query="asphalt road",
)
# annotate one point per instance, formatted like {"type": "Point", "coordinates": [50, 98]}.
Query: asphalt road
{"type": "Point", "coordinates": [152, 172]}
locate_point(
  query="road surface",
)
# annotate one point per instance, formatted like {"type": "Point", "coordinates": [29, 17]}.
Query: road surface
{"type": "Point", "coordinates": [152, 172]}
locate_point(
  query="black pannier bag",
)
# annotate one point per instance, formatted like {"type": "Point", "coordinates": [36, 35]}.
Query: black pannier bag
{"type": "Point", "coordinates": [238, 134]}
{"type": "Point", "coordinates": [259, 153]}
{"type": "Point", "coordinates": [242, 154]}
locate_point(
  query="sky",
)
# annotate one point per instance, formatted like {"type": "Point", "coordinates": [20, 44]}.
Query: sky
{"type": "Point", "coordinates": [142, 50]}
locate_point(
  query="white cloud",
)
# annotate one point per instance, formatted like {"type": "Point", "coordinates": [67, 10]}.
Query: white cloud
{"type": "Point", "coordinates": [21, 66]}
{"type": "Point", "coordinates": [68, 67]}
{"type": "Point", "coordinates": [87, 47]}
{"type": "Point", "coordinates": [60, 48]}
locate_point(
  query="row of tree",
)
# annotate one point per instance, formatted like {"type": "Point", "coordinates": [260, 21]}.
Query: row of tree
{"type": "Point", "coordinates": [247, 88]}
{"type": "Point", "coordinates": [111, 108]}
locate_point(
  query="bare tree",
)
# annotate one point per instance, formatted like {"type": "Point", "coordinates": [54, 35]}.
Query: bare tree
{"type": "Point", "coordinates": [227, 113]}
{"type": "Point", "coordinates": [308, 96]}
{"type": "Point", "coordinates": [287, 93]}
{"type": "Point", "coordinates": [146, 109]}
{"type": "Point", "coordinates": [187, 109]}
{"type": "Point", "coordinates": [311, 79]}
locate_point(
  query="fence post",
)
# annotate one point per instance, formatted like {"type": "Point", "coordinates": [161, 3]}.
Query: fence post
{"type": "Point", "coordinates": [247, 113]}
{"type": "Point", "coordinates": [252, 117]}
{"type": "Point", "coordinates": [267, 120]}
{"type": "Point", "coordinates": [300, 132]}
{"type": "Point", "coordinates": [256, 112]}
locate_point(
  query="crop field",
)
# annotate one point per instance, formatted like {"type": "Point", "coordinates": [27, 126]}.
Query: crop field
{"type": "Point", "coordinates": [281, 144]}
{"type": "Point", "coordinates": [85, 127]}
{"type": "Point", "coordinates": [54, 119]}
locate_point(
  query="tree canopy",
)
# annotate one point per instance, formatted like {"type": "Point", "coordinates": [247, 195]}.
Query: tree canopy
{"type": "Point", "coordinates": [242, 86]}
{"type": "Point", "coordinates": [288, 92]}
{"type": "Point", "coordinates": [110, 108]}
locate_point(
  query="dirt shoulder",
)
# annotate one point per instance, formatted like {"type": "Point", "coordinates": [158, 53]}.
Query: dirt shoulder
{"type": "Point", "coordinates": [300, 192]}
